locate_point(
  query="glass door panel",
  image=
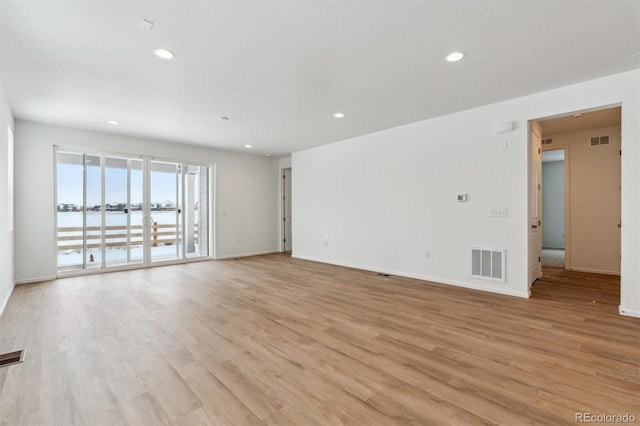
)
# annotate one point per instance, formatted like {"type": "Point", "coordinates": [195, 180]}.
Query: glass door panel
{"type": "Point", "coordinates": [165, 212]}
{"type": "Point", "coordinates": [136, 215]}
{"type": "Point", "coordinates": [196, 188]}
{"type": "Point", "coordinates": [117, 212]}
{"type": "Point", "coordinates": [93, 217]}
{"type": "Point", "coordinates": [70, 207]}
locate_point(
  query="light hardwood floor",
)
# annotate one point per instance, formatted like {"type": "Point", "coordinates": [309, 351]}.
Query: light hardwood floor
{"type": "Point", "coordinates": [271, 340]}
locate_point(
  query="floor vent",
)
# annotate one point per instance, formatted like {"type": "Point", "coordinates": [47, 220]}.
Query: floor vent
{"type": "Point", "coordinates": [11, 358]}
{"type": "Point", "coordinates": [487, 263]}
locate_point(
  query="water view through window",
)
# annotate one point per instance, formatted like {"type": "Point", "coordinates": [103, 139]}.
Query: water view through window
{"type": "Point", "coordinates": [115, 210]}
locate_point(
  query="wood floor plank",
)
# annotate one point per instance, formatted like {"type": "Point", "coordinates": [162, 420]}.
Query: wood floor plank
{"type": "Point", "coordinates": [271, 340]}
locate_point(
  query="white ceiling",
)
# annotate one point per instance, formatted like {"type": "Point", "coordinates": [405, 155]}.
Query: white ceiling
{"type": "Point", "coordinates": [584, 121]}
{"type": "Point", "coordinates": [280, 69]}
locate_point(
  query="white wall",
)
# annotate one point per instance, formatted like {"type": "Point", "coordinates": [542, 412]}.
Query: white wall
{"type": "Point", "coordinates": [383, 199]}
{"type": "Point", "coordinates": [594, 200]}
{"type": "Point", "coordinates": [284, 162]}
{"type": "Point", "coordinates": [6, 234]}
{"type": "Point", "coordinates": [553, 204]}
{"type": "Point", "coordinates": [246, 193]}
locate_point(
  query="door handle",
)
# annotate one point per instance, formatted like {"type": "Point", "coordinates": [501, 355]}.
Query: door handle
{"type": "Point", "coordinates": [620, 225]}
{"type": "Point", "coordinates": [534, 226]}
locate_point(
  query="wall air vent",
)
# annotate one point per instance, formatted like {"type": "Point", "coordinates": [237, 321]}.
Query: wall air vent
{"type": "Point", "coordinates": [547, 141]}
{"type": "Point", "coordinates": [11, 358]}
{"type": "Point", "coordinates": [487, 263]}
{"type": "Point", "coordinates": [602, 140]}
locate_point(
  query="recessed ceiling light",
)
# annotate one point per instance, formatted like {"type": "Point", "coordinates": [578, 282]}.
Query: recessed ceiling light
{"type": "Point", "coordinates": [248, 146]}
{"type": "Point", "coordinates": [224, 118]}
{"type": "Point", "coordinates": [578, 115]}
{"type": "Point", "coordinates": [164, 54]}
{"type": "Point", "coordinates": [455, 56]}
{"type": "Point", "coordinates": [113, 122]}
{"type": "Point", "coordinates": [339, 115]}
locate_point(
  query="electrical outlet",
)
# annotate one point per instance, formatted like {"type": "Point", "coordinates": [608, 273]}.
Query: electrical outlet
{"type": "Point", "coordinates": [498, 212]}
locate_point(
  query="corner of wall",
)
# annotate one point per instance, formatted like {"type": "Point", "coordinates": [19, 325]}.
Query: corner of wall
{"type": "Point", "coordinates": [7, 277]}
{"type": "Point", "coordinates": [628, 312]}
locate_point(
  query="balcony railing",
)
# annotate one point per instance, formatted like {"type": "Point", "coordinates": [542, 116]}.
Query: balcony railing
{"type": "Point", "coordinates": [71, 238]}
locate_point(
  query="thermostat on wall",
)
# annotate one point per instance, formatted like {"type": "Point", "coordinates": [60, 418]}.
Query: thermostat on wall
{"type": "Point", "coordinates": [462, 197]}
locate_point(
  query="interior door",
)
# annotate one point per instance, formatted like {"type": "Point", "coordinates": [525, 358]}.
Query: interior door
{"type": "Point", "coordinates": [535, 204]}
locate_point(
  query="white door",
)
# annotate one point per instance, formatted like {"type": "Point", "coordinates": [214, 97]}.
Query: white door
{"type": "Point", "coordinates": [286, 209]}
{"type": "Point", "coordinates": [535, 204]}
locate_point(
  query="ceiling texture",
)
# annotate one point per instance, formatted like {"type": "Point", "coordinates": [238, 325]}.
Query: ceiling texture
{"type": "Point", "coordinates": [280, 69]}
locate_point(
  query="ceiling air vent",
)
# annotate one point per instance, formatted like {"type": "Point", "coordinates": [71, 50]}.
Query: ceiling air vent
{"type": "Point", "coordinates": [547, 141]}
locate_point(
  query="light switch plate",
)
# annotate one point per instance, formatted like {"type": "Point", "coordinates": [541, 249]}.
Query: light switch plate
{"type": "Point", "coordinates": [499, 212]}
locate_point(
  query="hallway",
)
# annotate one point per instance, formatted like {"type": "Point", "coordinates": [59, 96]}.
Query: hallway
{"type": "Point", "coordinates": [578, 289]}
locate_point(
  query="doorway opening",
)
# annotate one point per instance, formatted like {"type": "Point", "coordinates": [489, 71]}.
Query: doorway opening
{"type": "Point", "coordinates": [287, 238]}
{"type": "Point", "coordinates": [575, 201]}
{"type": "Point", "coordinates": [554, 184]}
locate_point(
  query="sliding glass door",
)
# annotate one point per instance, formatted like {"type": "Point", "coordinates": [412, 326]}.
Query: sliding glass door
{"type": "Point", "coordinates": [70, 210]}
{"type": "Point", "coordinates": [115, 211]}
{"type": "Point", "coordinates": [196, 201]}
{"type": "Point", "coordinates": [93, 223]}
{"type": "Point", "coordinates": [123, 230]}
{"type": "Point", "coordinates": [166, 211]}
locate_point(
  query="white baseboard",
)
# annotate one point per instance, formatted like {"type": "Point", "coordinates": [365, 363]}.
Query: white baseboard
{"type": "Point", "coordinates": [36, 279]}
{"type": "Point", "coordinates": [6, 300]}
{"type": "Point", "coordinates": [594, 271]}
{"type": "Point", "coordinates": [523, 294]}
{"type": "Point", "coordinates": [233, 256]}
{"type": "Point", "coordinates": [628, 312]}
